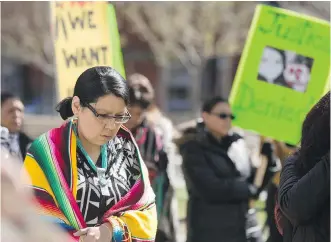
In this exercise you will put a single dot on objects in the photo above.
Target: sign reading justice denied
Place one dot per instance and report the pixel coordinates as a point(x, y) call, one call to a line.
point(86, 35)
point(282, 73)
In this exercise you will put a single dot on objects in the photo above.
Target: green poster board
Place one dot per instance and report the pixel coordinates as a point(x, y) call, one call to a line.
point(115, 41)
point(284, 70)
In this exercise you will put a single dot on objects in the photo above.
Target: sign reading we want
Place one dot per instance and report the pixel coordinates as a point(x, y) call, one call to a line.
point(86, 35)
point(284, 70)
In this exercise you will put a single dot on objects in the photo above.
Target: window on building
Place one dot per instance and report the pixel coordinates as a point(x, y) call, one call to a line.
point(36, 89)
point(178, 98)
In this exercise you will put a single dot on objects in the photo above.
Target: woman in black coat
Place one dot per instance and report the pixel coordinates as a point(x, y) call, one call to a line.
point(304, 192)
point(218, 177)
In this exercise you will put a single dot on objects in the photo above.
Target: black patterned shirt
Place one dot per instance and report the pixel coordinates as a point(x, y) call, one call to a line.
point(122, 172)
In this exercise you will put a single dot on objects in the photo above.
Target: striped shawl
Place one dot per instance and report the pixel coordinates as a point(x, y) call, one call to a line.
point(52, 165)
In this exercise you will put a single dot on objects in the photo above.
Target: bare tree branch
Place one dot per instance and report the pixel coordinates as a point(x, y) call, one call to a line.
point(319, 9)
point(189, 31)
point(194, 31)
point(25, 34)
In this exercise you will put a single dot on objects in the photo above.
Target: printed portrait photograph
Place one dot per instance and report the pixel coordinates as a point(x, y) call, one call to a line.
point(285, 68)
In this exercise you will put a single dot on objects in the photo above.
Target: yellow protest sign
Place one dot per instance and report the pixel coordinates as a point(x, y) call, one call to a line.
point(86, 35)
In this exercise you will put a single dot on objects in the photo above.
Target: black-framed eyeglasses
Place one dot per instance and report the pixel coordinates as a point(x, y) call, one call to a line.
point(104, 118)
point(224, 115)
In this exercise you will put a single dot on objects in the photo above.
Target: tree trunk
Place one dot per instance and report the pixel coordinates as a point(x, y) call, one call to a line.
point(195, 74)
point(162, 87)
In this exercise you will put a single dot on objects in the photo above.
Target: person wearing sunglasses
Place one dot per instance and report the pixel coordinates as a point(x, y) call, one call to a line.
point(88, 175)
point(218, 175)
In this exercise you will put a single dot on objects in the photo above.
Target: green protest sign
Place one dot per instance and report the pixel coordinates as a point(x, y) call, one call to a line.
point(284, 70)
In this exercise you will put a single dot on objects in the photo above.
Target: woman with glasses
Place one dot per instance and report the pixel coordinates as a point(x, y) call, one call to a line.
point(218, 175)
point(88, 174)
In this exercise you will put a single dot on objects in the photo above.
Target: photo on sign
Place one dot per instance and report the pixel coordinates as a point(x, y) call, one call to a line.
point(285, 68)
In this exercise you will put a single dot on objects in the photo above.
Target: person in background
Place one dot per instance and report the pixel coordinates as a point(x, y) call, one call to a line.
point(88, 175)
point(162, 124)
point(146, 136)
point(168, 132)
point(282, 151)
point(5, 142)
point(12, 114)
point(154, 147)
point(219, 177)
point(304, 189)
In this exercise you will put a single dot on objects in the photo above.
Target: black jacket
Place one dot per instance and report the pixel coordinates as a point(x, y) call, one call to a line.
point(274, 235)
point(24, 142)
point(305, 202)
point(218, 194)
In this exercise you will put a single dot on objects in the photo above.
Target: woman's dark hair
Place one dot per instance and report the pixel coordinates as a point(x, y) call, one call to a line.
point(140, 96)
point(141, 91)
point(137, 80)
point(6, 96)
point(210, 104)
point(280, 78)
point(92, 84)
point(315, 136)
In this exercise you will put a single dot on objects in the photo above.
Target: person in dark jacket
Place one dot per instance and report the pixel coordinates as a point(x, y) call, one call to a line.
point(282, 150)
point(304, 191)
point(218, 176)
point(12, 113)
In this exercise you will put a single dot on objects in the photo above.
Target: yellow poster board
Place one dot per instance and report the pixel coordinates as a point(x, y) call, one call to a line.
point(85, 35)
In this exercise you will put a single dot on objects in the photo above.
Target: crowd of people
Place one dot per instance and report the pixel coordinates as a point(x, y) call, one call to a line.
point(104, 174)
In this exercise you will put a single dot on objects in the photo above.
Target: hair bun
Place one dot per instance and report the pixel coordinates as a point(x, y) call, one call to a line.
point(64, 108)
